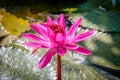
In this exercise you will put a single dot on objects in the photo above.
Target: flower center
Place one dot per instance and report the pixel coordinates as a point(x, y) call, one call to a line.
point(57, 28)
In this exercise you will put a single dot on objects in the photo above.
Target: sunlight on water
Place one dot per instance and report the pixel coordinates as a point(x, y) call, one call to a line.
point(17, 63)
point(20, 65)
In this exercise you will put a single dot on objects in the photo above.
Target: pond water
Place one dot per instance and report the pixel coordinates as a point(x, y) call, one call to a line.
point(17, 63)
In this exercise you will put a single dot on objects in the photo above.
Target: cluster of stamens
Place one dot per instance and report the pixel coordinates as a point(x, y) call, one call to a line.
point(56, 28)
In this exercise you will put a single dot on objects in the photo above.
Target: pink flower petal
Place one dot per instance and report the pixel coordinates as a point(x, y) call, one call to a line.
point(43, 26)
point(62, 21)
point(82, 51)
point(62, 51)
point(47, 58)
point(51, 35)
point(83, 36)
point(73, 28)
point(34, 50)
point(49, 21)
point(71, 46)
point(39, 29)
point(32, 36)
point(37, 45)
point(59, 37)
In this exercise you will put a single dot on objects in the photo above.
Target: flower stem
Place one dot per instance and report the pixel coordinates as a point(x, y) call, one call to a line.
point(58, 67)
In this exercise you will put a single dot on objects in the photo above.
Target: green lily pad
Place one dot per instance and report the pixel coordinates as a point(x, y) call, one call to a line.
point(105, 46)
point(99, 19)
point(105, 49)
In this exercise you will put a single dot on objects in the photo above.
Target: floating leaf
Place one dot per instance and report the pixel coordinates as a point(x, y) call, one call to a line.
point(102, 20)
point(12, 24)
point(105, 48)
point(3, 32)
point(7, 40)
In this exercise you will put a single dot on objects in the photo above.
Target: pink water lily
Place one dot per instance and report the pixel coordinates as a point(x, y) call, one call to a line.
point(53, 35)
